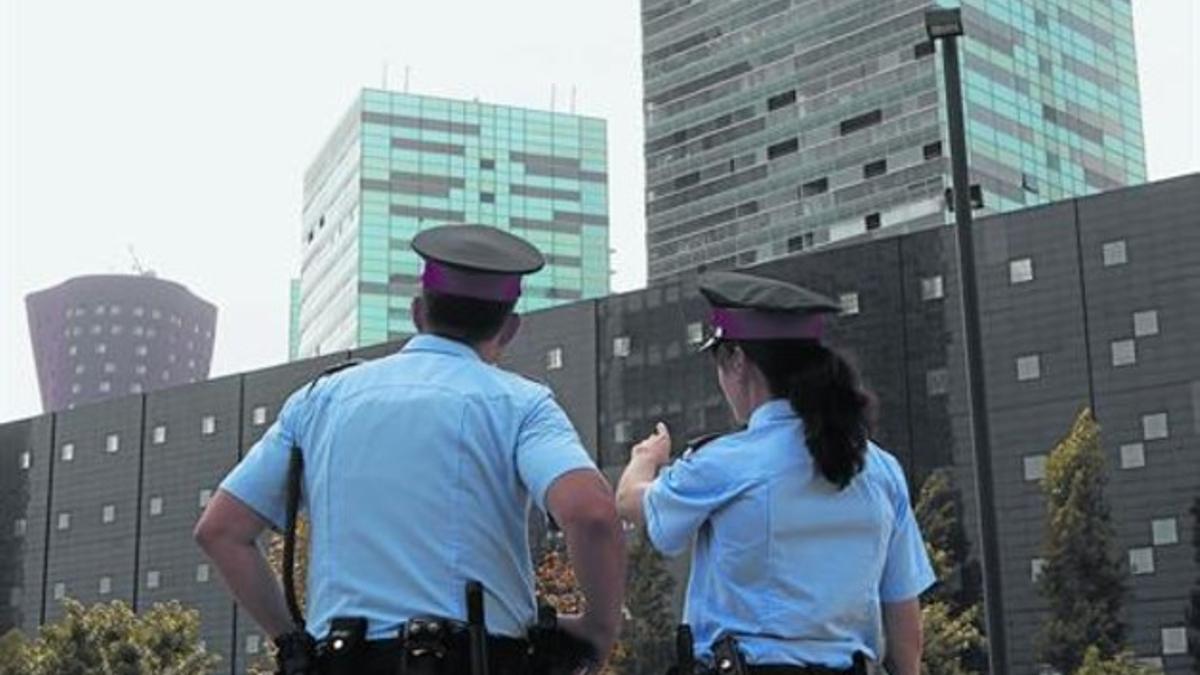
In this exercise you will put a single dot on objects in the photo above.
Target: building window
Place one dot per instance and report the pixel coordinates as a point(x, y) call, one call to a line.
point(860, 122)
point(487, 164)
point(80, 368)
point(1164, 531)
point(937, 382)
point(875, 169)
point(554, 359)
point(923, 49)
point(156, 506)
point(621, 346)
point(101, 348)
point(1174, 641)
point(873, 221)
point(783, 148)
point(153, 579)
point(1020, 271)
point(1029, 183)
point(781, 100)
point(64, 520)
point(140, 369)
point(622, 432)
point(1154, 427)
point(208, 425)
point(159, 435)
point(849, 304)
point(932, 288)
point(26, 461)
point(14, 597)
point(815, 187)
point(110, 367)
point(202, 573)
point(1036, 567)
point(1145, 323)
point(68, 452)
point(1133, 456)
point(253, 644)
point(487, 197)
point(76, 388)
point(60, 591)
point(1114, 253)
point(1035, 467)
point(141, 350)
point(139, 311)
point(105, 585)
point(1029, 367)
point(1141, 561)
point(695, 333)
point(1124, 353)
point(259, 416)
point(105, 387)
point(112, 443)
point(97, 329)
point(20, 527)
point(135, 388)
point(108, 513)
point(155, 314)
point(166, 375)
point(932, 150)
point(205, 497)
point(72, 350)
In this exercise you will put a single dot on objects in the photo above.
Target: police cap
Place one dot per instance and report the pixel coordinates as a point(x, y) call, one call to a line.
point(475, 261)
point(749, 307)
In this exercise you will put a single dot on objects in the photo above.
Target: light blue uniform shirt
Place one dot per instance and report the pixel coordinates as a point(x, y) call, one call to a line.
point(790, 566)
point(419, 470)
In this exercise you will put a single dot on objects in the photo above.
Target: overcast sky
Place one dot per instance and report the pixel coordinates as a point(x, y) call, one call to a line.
point(183, 129)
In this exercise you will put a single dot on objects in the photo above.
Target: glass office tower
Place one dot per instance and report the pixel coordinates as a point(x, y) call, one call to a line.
point(399, 163)
point(773, 127)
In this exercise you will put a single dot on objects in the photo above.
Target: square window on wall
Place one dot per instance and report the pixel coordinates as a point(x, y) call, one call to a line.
point(849, 304)
point(253, 644)
point(622, 432)
point(1141, 561)
point(1174, 640)
point(1036, 566)
point(64, 521)
point(695, 333)
point(112, 443)
point(1020, 271)
point(1124, 353)
point(937, 382)
point(105, 586)
point(156, 506)
point(205, 497)
point(1115, 253)
point(1164, 531)
point(153, 579)
point(1155, 427)
point(932, 288)
point(68, 452)
point(1133, 456)
point(621, 346)
point(159, 435)
point(26, 461)
point(554, 359)
point(1145, 323)
point(108, 514)
point(202, 573)
point(1035, 467)
point(208, 425)
point(259, 416)
point(1029, 367)
point(60, 591)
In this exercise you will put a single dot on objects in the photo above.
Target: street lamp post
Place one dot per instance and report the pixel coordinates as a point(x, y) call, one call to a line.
point(945, 26)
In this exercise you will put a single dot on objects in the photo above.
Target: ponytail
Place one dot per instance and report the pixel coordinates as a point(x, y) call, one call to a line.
point(825, 391)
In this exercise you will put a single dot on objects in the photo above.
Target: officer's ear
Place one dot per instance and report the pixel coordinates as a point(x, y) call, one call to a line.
point(512, 324)
point(418, 312)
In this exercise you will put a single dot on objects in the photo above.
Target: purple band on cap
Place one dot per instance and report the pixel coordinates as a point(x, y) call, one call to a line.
point(752, 324)
point(479, 285)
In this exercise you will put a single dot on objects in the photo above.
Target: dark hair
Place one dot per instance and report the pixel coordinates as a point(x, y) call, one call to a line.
point(465, 319)
point(825, 391)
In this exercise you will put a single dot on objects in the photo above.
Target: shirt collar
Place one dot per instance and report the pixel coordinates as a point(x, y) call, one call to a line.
point(427, 342)
point(773, 410)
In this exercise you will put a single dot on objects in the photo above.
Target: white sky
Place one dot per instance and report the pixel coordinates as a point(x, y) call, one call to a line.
point(184, 129)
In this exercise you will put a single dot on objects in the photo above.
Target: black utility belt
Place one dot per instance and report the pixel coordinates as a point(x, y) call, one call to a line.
point(423, 637)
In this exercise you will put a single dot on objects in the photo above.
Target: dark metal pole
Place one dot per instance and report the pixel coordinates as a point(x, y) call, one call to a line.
point(973, 344)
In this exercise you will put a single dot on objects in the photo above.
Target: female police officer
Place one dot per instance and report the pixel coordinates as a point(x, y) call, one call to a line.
point(806, 553)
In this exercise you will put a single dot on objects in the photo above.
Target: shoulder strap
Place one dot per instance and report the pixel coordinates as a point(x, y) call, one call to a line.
point(295, 481)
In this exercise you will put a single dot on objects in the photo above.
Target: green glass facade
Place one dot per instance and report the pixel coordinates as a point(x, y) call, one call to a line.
point(774, 127)
point(400, 163)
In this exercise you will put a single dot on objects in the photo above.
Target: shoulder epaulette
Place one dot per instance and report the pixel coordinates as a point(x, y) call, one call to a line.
point(335, 368)
point(700, 441)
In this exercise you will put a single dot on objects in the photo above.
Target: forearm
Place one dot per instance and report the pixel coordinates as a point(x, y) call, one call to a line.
point(636, 479)
point(902, 622)
point(596, 547)
point(253, 585)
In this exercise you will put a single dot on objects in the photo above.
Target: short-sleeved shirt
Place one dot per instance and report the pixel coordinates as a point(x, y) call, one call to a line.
point(419, 470)
point(792, 567)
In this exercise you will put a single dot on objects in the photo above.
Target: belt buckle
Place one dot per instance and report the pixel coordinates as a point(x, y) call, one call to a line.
point(426, 636)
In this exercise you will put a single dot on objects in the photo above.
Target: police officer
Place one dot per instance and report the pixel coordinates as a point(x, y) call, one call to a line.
point(806, 553)
point(418, 473)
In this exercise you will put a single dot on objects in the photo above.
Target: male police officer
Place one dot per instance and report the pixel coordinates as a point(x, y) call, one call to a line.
point(418, 473)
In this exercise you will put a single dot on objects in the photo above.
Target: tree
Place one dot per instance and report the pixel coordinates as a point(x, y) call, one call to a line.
point(649, 621)
point(953, 639)
point(1122, 663)
point(109, 639)
point(557, 587)
point(1081, 580)
point(1193, 614)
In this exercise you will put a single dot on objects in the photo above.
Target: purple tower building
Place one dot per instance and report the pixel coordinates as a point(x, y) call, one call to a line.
point(99, 336)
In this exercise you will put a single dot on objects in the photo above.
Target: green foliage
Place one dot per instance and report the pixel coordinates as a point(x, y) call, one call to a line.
point(648, 633)
point(1121, 663)
point(953, 638)
point(1082, 579)
point(109, 639)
